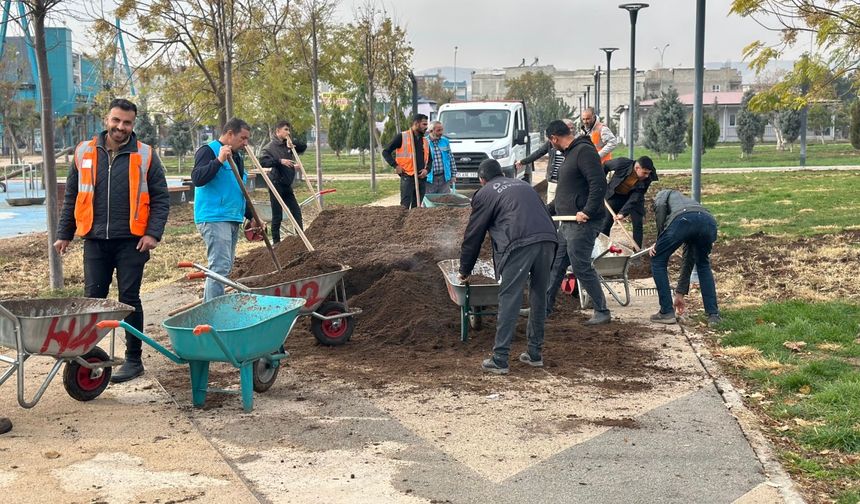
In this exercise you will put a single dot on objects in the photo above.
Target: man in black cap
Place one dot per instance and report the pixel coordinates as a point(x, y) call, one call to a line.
point(626, 192)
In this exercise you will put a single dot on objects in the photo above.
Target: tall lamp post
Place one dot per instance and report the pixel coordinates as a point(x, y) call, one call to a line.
point(597, 91)
point(698, 97)
point(579, 110)
point(633, 9)
point(608, 51)
point(455, 72)
point(662, 53)
point(588, 95)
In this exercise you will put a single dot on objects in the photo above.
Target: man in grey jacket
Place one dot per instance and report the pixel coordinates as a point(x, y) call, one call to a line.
point(683, 221)
point(524, 242)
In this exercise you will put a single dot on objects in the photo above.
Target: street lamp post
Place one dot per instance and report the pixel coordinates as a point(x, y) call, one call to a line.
point(455, 72)
point(698, 98)
point(588, 95)
point(580, 106)
point(662, 53)
point(633, 9)
point(608, 51)
point(597, 92)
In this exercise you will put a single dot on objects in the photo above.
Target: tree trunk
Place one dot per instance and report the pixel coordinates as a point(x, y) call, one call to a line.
point(371, 129)
point(396, 113)
point(55, 264)
point(316, 88)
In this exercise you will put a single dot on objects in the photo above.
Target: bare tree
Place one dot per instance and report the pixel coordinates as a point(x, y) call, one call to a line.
point(368, 32)
point(396, 62)
point(316, 39)
point(37, 12)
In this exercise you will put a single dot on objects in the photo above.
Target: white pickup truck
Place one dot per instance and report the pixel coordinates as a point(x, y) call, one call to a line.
point(482, 130)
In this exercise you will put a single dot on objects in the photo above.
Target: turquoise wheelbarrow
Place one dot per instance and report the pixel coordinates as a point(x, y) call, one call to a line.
point(246, 330)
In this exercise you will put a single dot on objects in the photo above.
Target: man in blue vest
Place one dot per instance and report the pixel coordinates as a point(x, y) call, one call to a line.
point(443, 171)
point(219, 203)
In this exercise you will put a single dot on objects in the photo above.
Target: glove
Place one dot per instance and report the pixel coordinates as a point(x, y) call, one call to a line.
point(252, 231)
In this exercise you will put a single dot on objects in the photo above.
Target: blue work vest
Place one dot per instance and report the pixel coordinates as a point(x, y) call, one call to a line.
point(220, 200)
point(445, 147)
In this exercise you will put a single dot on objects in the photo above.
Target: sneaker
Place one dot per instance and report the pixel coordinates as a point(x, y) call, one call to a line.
point(714, 320)
point(490, 366)
point(526, 358)
point(664, 318)
point(599, 318)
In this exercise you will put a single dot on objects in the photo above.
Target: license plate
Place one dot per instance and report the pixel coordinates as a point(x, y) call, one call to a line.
point(467, 174)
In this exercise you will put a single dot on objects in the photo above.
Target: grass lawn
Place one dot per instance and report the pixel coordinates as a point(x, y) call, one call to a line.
point(802, 364)
point(729, 156)
point(722, 156)
point(791, 204)
point(331, 163)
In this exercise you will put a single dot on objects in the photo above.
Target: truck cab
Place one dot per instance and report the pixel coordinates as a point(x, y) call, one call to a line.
point(480, 130)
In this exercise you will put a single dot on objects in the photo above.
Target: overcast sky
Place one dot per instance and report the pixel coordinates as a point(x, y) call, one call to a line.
point(564, 33)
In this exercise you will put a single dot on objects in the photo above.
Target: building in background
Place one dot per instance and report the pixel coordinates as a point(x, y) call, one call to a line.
point(75, 82)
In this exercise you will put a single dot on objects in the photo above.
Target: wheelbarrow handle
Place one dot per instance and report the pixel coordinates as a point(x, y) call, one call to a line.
point(215, 276)
point(142, 337)
point(208, 329)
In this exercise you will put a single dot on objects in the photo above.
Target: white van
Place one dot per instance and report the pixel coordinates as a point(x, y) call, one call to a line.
point(482, 130)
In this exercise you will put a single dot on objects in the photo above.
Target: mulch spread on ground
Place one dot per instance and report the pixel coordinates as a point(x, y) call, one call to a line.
point(409, 331)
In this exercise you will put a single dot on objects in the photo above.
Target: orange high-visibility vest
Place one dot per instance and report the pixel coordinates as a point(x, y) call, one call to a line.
point(86, 161)
point(403, 156)
point(598, 142)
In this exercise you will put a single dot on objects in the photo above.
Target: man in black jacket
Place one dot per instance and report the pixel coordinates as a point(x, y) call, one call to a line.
point(556, 157)
point(524, 241)
point(119, 225)
point(581, 187)
point(626, 192)
point(278, 156)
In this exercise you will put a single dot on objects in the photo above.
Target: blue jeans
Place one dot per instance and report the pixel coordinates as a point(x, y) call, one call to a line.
point(575, 244)
point(699, 231)
point(220, 239)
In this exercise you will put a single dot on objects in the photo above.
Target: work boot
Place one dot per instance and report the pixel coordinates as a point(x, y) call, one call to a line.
point(490, 366)
point(714, 320)
point(599, 318)
point(5, 425)
point(531, 361)
point(128, 371)
point(664, 318)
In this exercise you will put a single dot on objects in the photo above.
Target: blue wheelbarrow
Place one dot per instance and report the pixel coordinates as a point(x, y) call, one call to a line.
point(246, 330)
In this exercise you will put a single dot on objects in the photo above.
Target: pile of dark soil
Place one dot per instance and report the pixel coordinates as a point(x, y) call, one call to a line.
point(409, 329)
point(449, 199)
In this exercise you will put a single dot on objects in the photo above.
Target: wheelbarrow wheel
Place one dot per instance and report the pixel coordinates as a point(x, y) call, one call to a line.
point(333, 332)
point(85, 384)
point(265, 374)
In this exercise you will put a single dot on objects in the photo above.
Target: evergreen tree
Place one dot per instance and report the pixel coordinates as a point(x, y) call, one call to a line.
point(855, 124)
point(790, 122)
point(180, 140)
point(338, 130)
point(748, 125)
point(666, 125)
point(359, 136)
point(710, 132)
point(145, 130)
point(391, 126)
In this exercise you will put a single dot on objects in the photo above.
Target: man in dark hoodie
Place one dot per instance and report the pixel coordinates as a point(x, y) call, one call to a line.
point(524, 241)
point(581, 187)
point(278, 156)
point(626, 192)
point(117, 201)
point(683, 221)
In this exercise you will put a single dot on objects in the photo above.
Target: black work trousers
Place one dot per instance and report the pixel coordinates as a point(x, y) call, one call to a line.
point(289, 197)
point(101, 259)
point(407, 191)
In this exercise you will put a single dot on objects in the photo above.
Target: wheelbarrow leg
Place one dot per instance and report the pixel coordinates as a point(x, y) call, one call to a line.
point(199, 382)
point(246, 373)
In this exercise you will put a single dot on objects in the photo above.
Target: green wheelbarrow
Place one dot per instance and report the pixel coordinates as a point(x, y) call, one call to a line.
point(246, 330)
